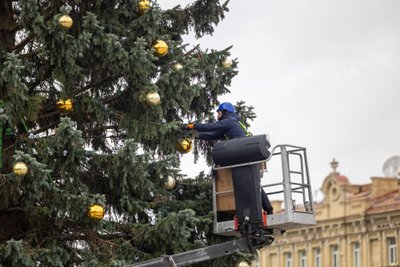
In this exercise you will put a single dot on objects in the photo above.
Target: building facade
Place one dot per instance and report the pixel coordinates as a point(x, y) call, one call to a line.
point(357, 226)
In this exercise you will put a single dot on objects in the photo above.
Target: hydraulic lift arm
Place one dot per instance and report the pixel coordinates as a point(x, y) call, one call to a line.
point(201, 254)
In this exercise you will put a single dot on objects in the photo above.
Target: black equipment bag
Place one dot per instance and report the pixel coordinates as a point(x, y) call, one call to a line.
point(241, 150)
point(246, 185)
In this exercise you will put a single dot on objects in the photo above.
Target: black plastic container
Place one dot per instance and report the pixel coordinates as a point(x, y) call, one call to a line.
point(241, 150)
point(247, 190)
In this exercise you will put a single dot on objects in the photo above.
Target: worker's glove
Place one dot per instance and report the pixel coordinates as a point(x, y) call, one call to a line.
point(188, 127)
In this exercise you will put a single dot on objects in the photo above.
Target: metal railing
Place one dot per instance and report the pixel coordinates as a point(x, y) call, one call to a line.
point(289, 187)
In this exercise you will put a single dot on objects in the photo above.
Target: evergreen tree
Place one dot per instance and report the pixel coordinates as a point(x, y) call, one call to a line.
point(74, 109)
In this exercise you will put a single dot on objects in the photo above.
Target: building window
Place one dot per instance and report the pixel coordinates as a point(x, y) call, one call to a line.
point(288, 259)
point(392, 251)
point(317, 257)
point(356, 255)
point(303, 258)
point(335, 256)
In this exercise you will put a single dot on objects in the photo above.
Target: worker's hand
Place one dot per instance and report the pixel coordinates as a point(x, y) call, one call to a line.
point(188, 127)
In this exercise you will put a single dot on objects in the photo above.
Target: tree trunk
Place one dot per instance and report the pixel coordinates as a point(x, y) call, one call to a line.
point(7, 25)
point(8, 28)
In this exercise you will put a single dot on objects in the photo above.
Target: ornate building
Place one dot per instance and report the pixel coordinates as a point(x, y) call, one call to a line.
point(357, 226)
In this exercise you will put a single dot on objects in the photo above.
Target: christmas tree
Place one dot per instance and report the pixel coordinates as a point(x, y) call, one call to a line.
point(92, 98)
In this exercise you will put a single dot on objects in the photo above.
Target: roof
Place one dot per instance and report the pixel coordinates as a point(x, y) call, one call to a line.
point(341, 179)
point(386, 202)
point(380, 195)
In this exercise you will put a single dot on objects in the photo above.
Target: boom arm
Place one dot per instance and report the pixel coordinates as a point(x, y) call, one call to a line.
point(201, 254)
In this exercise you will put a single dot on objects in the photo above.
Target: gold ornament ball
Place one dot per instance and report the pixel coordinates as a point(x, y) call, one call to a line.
point(96, 212)
point(160, 48)
point(20, 169)
point(169, 183)
point(65, 22)
point(153, 98)
point(177, 66)
point(143, 6)
point(243, 264)
point(65, 106)
point(184, 146)
point(227, 63)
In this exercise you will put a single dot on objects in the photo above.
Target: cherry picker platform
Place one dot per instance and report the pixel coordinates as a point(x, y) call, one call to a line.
point(239, 165)
point(292, 182)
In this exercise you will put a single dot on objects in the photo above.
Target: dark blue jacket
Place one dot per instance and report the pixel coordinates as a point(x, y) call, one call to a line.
point(227, 127)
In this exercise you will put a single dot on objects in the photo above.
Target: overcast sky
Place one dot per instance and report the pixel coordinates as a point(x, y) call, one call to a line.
point(321, 74)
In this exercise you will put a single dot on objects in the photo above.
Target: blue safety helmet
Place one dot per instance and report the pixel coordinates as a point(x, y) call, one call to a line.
point(226, 106)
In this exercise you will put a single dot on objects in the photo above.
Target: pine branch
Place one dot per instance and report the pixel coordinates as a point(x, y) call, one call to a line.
point(100, 128)
point(16, 27)
point(52, 125)
point(29, 54)
point(85, 88)
point(110, 99)
point(44, 75)
point(197, 47)
point(90, 235)
point(89, 86)
point(48, 115)
point(88, 130)
point(18, 47)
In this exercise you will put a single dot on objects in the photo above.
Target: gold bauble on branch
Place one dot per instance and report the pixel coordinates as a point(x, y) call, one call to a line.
point(20, 169)
point(153, 98)
point(243, 264)
point(160, 48)
point(65, 22)
point(65, 106)
point(184, 145)
point(169, 183)
point(96, 212)
point(177, 66)
point(227, 63)
point(143, 6)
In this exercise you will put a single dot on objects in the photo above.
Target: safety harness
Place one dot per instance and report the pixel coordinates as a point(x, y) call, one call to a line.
point(245, 129)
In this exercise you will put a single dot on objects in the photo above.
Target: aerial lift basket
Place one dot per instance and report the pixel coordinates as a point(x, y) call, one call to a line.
point(294, 184)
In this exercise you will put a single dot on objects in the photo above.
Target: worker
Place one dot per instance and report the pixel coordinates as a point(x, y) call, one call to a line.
point(228, 126)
